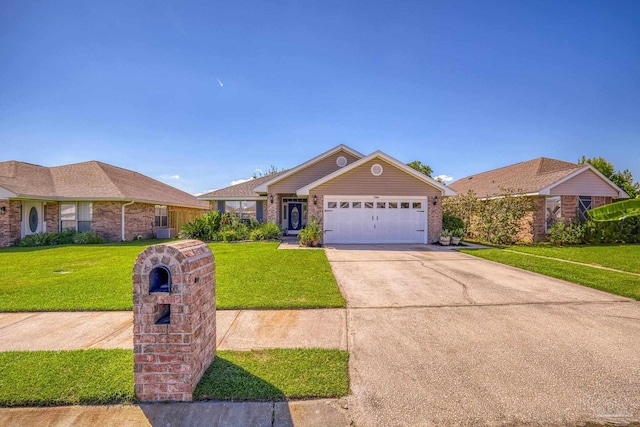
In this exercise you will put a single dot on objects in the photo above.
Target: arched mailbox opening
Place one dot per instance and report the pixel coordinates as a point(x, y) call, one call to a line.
point(160, 279)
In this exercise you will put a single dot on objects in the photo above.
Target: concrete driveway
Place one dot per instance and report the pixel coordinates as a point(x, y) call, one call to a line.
point(442, 338)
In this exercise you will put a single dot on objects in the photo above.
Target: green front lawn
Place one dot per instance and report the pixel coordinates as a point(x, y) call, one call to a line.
point(77, 377)
point(49, 378)
point(275, 374)
point(98, 277)
point(623, 284)
point(620, 257)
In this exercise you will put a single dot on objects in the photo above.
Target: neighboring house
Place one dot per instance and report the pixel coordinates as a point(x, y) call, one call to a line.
point(356, 198)
point(115, 203)
point(558, 190)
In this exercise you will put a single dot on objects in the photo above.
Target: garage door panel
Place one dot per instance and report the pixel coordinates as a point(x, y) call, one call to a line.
point(369, 220)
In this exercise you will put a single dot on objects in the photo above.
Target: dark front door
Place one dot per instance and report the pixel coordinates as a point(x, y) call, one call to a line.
point(295, 216)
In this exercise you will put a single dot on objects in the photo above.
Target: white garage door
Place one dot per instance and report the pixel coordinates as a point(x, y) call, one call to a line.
point(375, 220)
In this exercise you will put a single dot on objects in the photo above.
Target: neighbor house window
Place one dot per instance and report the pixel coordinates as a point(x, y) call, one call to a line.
point(162, 216)
point(584, 204)
point(76, 216)
point(553, 211)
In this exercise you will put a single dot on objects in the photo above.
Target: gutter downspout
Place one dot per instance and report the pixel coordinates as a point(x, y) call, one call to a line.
point(126, 204)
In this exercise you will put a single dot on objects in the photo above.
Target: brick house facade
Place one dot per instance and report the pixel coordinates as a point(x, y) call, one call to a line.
point(94, 196)
point(558, 190)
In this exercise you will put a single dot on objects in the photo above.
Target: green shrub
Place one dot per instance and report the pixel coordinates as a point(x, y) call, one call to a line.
point(450, 222)
point(498, 220)
point(266, 231)
point(624, 231)
point(311, 234)
point(87, 238)
point(66, 237)
point(561, 234)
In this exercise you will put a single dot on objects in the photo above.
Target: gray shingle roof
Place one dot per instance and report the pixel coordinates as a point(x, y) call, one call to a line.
point(90, 180)
point(239, 191)
point(525, 177)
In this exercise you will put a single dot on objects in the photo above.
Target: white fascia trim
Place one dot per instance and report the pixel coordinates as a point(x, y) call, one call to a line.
point(621, 193)
point(446, 191)
point(262, 188)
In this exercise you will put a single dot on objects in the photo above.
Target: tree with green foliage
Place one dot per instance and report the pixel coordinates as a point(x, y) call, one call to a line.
point(421, 167)
point(622, 179)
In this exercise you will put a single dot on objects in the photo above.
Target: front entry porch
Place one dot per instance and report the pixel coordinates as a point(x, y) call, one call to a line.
point(294, 214)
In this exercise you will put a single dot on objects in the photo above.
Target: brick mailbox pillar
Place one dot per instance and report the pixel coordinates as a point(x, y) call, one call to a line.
point(174, 319)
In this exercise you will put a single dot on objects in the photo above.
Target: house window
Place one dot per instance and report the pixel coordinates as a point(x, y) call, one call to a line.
point(244, 209)
point(76, 216)
point(553, 211)
point(162, 216)
point(584, 204)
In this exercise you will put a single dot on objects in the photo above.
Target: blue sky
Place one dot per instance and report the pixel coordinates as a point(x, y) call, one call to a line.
point(198, 94)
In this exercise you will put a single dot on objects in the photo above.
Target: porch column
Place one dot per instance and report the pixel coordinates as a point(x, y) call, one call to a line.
point(274, 209)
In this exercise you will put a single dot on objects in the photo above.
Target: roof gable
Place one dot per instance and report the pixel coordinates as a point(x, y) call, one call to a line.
point(446, 191)
point(263, 188)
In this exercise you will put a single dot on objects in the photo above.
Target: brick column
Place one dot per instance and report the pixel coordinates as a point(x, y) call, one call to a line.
point(174, 329)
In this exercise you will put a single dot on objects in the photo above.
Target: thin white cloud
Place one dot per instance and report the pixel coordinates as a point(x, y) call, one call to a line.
point(205, 192)
point(170, 177)
point(240, 181)
point(444, 178)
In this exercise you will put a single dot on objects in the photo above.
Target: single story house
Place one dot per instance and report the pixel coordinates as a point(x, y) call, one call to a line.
point(558, 190)
point(356, 198)
point(115, 203)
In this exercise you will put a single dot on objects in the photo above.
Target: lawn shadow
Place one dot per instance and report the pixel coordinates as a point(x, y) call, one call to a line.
point(226, 395)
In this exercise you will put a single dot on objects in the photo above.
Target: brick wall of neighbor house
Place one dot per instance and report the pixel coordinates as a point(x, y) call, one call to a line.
point(434, 219)
point(569, 208)
point(52, 217)
point(107, 220)
point(10, 222)
point(539, 218)
point(139, 220)
point(597, 201)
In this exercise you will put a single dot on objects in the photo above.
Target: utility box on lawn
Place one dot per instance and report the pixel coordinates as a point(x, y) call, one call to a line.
point(174, 319)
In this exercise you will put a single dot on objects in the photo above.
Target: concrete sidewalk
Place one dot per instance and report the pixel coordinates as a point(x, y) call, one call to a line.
point(311, 413)
point(236, 329)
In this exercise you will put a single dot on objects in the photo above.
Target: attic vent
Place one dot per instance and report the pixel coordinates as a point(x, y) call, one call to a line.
point(376, 170)
point(341, 161)
point(470, 177)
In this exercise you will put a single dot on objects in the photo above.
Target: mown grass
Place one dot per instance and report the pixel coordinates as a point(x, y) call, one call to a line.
point(258, 275)
point(77, 377)
point(275, 374)
point(86, 377)
point(620, 257)
point(98, 277)
point(623, 284)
